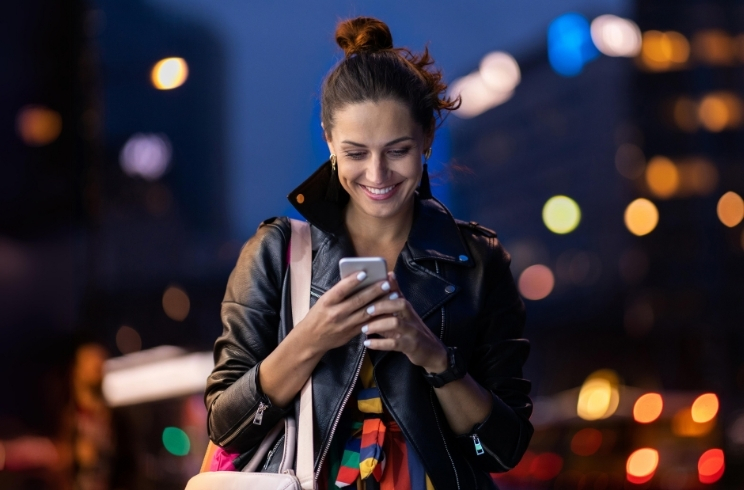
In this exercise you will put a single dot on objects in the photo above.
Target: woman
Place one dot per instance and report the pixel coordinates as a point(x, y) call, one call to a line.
point(430, 360)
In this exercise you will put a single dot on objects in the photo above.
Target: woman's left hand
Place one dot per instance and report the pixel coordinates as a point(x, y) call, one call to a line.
point(402, 330)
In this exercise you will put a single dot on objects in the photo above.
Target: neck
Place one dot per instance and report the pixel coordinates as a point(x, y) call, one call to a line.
point(369, 232)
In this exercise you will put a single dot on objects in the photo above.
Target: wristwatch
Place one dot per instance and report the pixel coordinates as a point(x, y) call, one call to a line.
point(455, 370)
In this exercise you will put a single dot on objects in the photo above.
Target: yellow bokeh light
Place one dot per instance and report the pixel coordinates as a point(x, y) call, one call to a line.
point(730, 209)
point(38, 125)
point(561, 214)
point(536, 282)
point(599, 396)
point(704, 408)
point(648, 408)
point(641, 217)
point(684, 426)
point(169, 73)
point(663, 50)
point(662, 177)
point(176, 303)
point(642, 464)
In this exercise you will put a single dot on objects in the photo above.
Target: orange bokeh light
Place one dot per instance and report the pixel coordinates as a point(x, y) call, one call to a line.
point(711, 466)
point(730, 209)
point(38, 125)
point(642, 465)
point(684, 426)
point(662, 177)
point(648, 408)
point(704, 408)
point(586, 442)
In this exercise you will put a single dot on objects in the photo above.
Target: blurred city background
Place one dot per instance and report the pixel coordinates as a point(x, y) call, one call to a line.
point(143, 141)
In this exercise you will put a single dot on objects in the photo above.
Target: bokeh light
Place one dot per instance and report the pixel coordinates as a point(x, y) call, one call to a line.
point(664, 50)
point(500, 71)
point(169, 73)
point(685, 113)
point(642, 465)
point(476, 96)
point(630, 161)
point(599, 396)
point(176, 441)
point(128, 340)
point(713, 47)
point(704, 408)
point(719, 111)
point(536, 282)
point(684, 426)
point(730, 209)
point(38, 125)
point(711, 466)
point(615, 36)
point(698, 177)
point(662, 177)
point(561, 214)
point(570, 44)
point(648, 408)
point(546, 466)
point(176, 303)
point(146, 156)
point(641, 217)
point(586, 442)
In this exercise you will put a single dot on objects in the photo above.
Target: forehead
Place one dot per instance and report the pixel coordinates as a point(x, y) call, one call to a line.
point(374, 122)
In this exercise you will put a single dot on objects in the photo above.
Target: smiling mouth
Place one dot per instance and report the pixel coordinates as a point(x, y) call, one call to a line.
point(379, 191)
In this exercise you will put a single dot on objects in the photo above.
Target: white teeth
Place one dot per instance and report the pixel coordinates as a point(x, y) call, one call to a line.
point(379, 191)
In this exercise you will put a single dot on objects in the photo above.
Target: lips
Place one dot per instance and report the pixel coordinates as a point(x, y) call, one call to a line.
point(380, 193)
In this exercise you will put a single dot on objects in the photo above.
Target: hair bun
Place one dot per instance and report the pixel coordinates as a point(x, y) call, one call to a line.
point(363, 35)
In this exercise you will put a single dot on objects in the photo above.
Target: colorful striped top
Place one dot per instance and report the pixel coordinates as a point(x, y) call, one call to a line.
point(373, 454)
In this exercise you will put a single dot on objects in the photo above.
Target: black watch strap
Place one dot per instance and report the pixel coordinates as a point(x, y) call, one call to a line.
point(455, 370)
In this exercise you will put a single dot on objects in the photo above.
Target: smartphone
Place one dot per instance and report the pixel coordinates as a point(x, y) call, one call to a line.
point(375, 267)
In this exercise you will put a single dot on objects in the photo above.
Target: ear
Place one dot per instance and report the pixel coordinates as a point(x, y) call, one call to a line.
point(428, 142)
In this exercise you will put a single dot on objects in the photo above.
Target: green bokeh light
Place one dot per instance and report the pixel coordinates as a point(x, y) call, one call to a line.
point(176, 441)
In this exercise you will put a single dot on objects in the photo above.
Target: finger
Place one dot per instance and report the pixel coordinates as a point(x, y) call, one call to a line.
point(392, 304)
point(383, 344)
point(358, 302)
point(394, 286)
point(343, 288)
point(388, 326)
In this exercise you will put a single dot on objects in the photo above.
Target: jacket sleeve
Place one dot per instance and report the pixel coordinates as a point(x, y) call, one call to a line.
point(496, 363)
point(250, 321)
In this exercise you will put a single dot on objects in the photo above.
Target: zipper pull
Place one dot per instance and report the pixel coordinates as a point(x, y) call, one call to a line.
point(478, 447)
point(258, 418)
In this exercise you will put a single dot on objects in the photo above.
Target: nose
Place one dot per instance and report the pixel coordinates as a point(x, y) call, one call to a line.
point(377, 172)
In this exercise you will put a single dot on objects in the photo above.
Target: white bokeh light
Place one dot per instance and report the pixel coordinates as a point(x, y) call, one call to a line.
point(500, 71)
point(492, 85)
point(615, 36)
point(146, 156)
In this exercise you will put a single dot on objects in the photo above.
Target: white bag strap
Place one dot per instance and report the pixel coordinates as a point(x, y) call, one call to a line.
point(300, 269)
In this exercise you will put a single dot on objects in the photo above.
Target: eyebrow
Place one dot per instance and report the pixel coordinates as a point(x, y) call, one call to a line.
point(402, 138)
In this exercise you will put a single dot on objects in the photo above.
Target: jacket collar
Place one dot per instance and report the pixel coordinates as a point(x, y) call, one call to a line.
point(434, 234)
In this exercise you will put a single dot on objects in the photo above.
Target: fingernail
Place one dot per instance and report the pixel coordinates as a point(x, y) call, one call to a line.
point(393, 296)
point(361, 276)
point(385, 286)
point(366, 343)
point(365, 328)
point(371, 310)
point(393, 275)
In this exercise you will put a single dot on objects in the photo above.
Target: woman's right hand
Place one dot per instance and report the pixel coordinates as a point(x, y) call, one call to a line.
point(338, 315)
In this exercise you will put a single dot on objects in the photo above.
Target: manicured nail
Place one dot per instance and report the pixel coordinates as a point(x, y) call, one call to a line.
point(366, 343)
point(393, 296)
point(361, 276)
point(385, 286)
point(365, 328)
point(371, 310)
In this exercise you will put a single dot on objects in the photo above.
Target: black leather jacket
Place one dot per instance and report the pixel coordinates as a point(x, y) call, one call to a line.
point(455, 274)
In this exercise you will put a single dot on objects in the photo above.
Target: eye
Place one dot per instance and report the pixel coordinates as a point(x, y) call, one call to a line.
point(355, 155)
point(399, 152)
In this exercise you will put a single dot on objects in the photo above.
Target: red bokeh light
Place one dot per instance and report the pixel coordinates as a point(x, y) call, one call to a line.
point(586, 442)
point(710, 466)
point(546, 466)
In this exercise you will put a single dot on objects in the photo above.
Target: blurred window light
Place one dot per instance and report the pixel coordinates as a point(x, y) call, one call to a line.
point(176, 441)
point(615, 36)
point(713, 47)
point(570, 44)
point(176, 303)
point(642, 465)
point(730, 209)
point(719, 111)
point(546, 466)
point(38, 125)
point(561, 214)
point(630, 161)
point(664, 50)
point(536, 282)
point(684, 426)
point(477, 97)
point(711, 466)
point(641, 217)
point(586, 442)
point(599, 396)
point(704, 408)
point(169, 73)
point(151, 380)
point(648, 408)
point(698, 177)
point(500, 71)
point(685, 113)
point(146, 156)
point(662, 177)
point(128, 340)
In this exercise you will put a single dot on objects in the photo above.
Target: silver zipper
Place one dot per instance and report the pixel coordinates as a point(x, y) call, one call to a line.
point(237, 431)
point(271, 453)
point(258, 418)
point(341, 411)
point(478, 447)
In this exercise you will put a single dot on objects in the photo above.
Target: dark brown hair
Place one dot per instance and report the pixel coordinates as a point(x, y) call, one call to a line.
point(374, 70)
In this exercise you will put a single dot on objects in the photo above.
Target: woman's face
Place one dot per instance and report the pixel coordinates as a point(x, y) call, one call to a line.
point(378, 146)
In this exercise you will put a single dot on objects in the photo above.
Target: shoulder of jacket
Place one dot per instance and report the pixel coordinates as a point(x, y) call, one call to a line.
point(476, 228)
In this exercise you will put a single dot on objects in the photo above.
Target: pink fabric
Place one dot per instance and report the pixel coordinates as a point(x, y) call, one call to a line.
point(223, 460)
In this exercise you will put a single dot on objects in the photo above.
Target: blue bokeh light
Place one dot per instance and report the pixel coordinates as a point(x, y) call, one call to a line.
point(570, 44)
